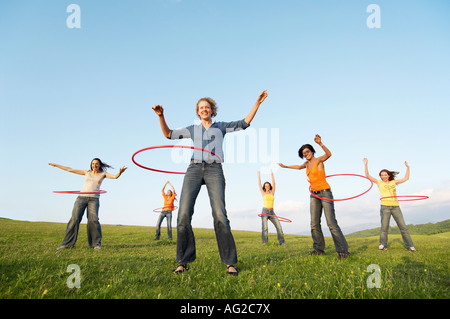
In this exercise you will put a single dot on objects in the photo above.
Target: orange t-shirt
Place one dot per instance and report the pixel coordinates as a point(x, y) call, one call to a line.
point(316, 178)
point(168, 201)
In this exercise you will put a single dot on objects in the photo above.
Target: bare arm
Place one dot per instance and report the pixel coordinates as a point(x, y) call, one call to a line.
point(262, 96)
point(170, 184)
point(259, 183)
point(68, 169)
point(273, 182)
point(293, 166)
point(162, 121)
point(366, 170)
point(327, 154)
point(404, 179)
point(121, 170)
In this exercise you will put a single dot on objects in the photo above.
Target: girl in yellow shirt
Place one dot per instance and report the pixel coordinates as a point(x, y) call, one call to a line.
point(268, 192)
point(390, 206)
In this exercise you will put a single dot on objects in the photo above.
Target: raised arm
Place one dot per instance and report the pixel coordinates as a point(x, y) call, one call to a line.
point(327, 154)
point(68, 169)
point(173, 188)
point(162, 121)
point(262, 96)
point(366, 170)
point(273, 182)
point(259, 183)
point(121, 170)
point(404, 179)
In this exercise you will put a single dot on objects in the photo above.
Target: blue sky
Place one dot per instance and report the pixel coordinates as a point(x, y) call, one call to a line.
point(68, 95)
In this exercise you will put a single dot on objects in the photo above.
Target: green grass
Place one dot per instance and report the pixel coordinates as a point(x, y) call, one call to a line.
point(132, 265)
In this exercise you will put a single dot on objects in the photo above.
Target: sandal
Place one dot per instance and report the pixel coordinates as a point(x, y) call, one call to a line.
point(234, 273)
point(180, 269)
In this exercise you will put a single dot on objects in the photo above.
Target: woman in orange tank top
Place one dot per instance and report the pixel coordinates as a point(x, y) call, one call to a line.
point(166, 212)
point(315, 172)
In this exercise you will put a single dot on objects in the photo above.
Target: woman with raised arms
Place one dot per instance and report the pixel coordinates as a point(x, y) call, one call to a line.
point(268, 194)
point(389, 205)
point(205, 169)
point(315, 171)
point(166, 211)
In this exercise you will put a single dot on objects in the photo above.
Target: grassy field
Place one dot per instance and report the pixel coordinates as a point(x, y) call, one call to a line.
point(132, 265)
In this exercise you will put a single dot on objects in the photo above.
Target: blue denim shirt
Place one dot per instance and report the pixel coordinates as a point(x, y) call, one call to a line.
point(210, 139)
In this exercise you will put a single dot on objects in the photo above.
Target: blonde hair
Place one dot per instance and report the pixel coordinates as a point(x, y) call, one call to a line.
point(211, 103)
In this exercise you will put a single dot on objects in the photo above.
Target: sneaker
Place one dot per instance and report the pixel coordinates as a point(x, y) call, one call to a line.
point(382, 247)
point(316, 252)
point(412, 249)
point(62, 247)
point(97, 247)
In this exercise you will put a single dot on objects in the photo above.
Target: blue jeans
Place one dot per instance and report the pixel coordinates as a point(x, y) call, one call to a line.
point(316, 206)
point(168, 215)
point(265, 227)
point(94, 231)
point(211, 175)
point(386, 212)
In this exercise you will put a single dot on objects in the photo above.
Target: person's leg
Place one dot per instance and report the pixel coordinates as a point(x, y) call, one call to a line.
point(398, 217)
point(385, 214)
point(192, 183)
point(276, 222)
point(215, 183)
point(158, 225)
point(73, 225)
point(265, 228)
point(169, 225)
point(316, 229)
point(94, 230)
point(340, 242)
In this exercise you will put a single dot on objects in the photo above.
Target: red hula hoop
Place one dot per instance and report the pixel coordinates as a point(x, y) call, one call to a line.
point(168, 146)
point(79, 192)
point(160, 209)
point(282, 219)
point(336, 200)
point(412, 197)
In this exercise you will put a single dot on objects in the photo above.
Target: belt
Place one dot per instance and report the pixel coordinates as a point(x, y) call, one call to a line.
point(318, 192)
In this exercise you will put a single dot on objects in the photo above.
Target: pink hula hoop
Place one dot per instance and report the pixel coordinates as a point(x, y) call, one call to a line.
point(168, 146)
point(160, 209)
point(341, 199)
point(412, 197)
point(281, 219)
point(79, 192)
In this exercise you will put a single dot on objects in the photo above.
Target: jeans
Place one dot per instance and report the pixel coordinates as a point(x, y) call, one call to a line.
point(211, 175)
point(94, 231)
point(275, 222)
point(395, 211)
point(316, 206)
point(168, 215)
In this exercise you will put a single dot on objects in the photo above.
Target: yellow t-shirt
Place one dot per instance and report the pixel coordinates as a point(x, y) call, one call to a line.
point(386, 190)
point(268, 201)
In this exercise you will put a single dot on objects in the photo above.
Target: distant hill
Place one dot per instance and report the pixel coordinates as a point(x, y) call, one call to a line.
point(421, 229)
